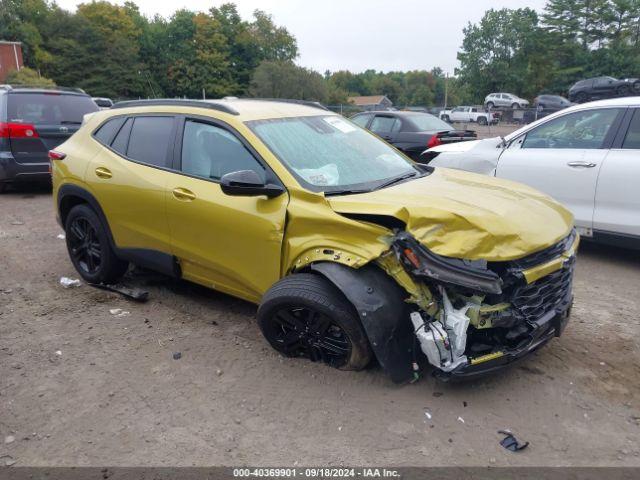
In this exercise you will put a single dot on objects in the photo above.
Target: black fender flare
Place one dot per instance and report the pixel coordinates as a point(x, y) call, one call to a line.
point(79, 192)
point(383, 312)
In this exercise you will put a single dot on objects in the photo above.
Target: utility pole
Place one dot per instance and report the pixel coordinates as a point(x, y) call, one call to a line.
point(446, 89)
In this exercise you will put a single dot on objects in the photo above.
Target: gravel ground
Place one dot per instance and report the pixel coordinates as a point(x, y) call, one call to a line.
point(80, 386)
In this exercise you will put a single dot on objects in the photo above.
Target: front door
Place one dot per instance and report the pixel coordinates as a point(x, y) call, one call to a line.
point(563, 157)
point(229, 243)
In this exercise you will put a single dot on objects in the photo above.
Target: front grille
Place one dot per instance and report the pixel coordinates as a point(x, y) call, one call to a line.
point(547, 254)
point(538, 298)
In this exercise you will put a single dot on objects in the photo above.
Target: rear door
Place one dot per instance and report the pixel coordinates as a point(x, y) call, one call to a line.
point(129, 179)
point(562, 157)
point(40, 121)
point(617, 208)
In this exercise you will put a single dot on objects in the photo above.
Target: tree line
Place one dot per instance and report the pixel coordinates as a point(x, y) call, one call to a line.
point(115, 51)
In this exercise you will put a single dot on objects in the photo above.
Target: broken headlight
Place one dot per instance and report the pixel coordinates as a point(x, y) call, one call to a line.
point(421, 262)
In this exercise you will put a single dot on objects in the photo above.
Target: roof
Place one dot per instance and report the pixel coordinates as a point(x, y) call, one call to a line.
point(369, 100)
point(246, 109)
point(6, 42)
point(17, 88)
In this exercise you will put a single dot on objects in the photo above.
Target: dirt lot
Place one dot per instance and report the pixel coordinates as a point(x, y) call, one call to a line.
point(80, 386)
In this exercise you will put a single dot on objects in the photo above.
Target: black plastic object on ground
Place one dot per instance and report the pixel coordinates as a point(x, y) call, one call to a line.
point(511, 443)
point(131, 293)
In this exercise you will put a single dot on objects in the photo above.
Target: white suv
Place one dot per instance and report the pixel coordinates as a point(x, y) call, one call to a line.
point(586, 157)
point(507, 100)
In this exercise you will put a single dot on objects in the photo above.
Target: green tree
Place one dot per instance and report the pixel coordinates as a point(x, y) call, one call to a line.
point(284, 79)
point(28, 76)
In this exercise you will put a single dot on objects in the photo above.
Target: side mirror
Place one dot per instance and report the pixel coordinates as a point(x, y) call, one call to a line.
point(247, 183)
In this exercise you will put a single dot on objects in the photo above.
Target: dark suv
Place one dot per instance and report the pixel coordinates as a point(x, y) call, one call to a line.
point(32, 122)
point(603, 87)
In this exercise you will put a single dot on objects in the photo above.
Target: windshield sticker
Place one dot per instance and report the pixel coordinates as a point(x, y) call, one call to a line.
point(340, 124)
point(323, 176)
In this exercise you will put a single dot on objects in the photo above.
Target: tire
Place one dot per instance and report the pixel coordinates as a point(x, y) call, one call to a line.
point(581, 97)
point(304, 315)
point(445, 118)
point(636, 87)
point(89, 247)
point(482, 121)
point(490, 105)
point(515, 106)
point(623, 91)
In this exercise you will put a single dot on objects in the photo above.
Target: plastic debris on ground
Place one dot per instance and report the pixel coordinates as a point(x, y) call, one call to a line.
point(134, 294)
point(510, 442)
point(177, 356)
point(59, 353)
point(118, 312)
point(460, 419)
point(61, 236)
point(67, 282)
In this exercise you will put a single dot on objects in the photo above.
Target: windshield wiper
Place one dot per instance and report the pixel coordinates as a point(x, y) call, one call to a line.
point(348, 191)
point(395, 180)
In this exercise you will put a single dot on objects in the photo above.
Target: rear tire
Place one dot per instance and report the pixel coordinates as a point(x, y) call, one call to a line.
point(623, 91)
point(490, 105)
point(482, 121)
point(445, 118)
point(515, 106)
point(89, 247)
point(305, 315)
point(581, 97)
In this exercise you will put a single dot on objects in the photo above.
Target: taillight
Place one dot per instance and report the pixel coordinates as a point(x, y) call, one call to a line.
point(54, 155)
point(434, 141)
point(18, 130)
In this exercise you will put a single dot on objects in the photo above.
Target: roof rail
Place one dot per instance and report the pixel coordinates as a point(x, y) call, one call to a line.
point(40, 87)
point(307, 103)
point(170, 102)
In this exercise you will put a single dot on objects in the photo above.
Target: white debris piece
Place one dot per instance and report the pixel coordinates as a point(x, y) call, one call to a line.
point(428, 415)
point(9, 439)
point(59, 353)
point(67, 282)
point(61, 236)
point(118, 312)
point(460, 419)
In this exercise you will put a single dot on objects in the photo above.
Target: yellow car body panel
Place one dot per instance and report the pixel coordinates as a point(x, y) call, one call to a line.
point(259, 240)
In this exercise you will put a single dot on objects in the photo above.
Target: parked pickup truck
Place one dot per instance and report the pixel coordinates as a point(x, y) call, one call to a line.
point(469, 114)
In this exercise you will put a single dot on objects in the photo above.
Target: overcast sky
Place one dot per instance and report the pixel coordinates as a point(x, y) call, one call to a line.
point(360, 34)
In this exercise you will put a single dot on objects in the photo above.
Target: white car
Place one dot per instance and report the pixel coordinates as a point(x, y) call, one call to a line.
point(505, 100)
point(586, 156)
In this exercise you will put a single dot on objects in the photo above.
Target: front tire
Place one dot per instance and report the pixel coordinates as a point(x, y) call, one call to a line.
point(445, 118)
point(482, 121)
point(89, 247)
point(490, 105)
point(515, 106)
point(304, 315)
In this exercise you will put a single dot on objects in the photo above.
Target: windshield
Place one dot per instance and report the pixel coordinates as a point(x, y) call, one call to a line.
point(330, 154)
point(425, 122)
point(48, 108)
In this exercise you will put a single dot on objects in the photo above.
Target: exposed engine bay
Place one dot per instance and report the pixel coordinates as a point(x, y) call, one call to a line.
point(474, 316)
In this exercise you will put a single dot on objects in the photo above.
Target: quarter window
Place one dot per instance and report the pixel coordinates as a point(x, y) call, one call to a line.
point(119, 143)
point(150, 138)
point(108, 129)
point(361, 120)
point(582, 130)
point(632, 140)
point(211, 152)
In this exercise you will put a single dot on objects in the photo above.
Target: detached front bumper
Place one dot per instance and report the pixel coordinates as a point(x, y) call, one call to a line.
point(545, 328)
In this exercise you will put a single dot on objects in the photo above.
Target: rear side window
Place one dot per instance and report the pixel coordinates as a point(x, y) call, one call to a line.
point(107, 131)
point(632, 140)
point(119, 143)
point(48, 108)
point(149, 140)
point(385, 124)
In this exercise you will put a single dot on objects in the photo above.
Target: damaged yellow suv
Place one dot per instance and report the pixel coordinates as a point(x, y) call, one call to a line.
point(352, 251)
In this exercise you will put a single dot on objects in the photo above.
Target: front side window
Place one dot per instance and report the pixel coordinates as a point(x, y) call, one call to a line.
point(385, 124)
point(632, 139)
point(329, 154)
point(583, 130)
point(210, 152)
point(361, 120)
point(149, 140)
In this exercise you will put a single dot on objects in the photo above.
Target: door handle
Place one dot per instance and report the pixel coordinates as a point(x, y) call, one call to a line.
point(184, 194)
point(103, 172)
point(582, 164)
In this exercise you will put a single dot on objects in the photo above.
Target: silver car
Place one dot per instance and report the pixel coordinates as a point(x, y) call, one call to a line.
point(506, 100)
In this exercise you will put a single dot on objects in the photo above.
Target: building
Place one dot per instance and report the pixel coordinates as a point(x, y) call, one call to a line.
point(372, 102)
point(10, 58)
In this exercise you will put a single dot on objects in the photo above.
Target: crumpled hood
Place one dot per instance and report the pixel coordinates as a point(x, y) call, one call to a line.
point(465, 215)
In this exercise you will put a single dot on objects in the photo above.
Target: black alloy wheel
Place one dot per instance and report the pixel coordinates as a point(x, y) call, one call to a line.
point(84, 245)
point(307, 333)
